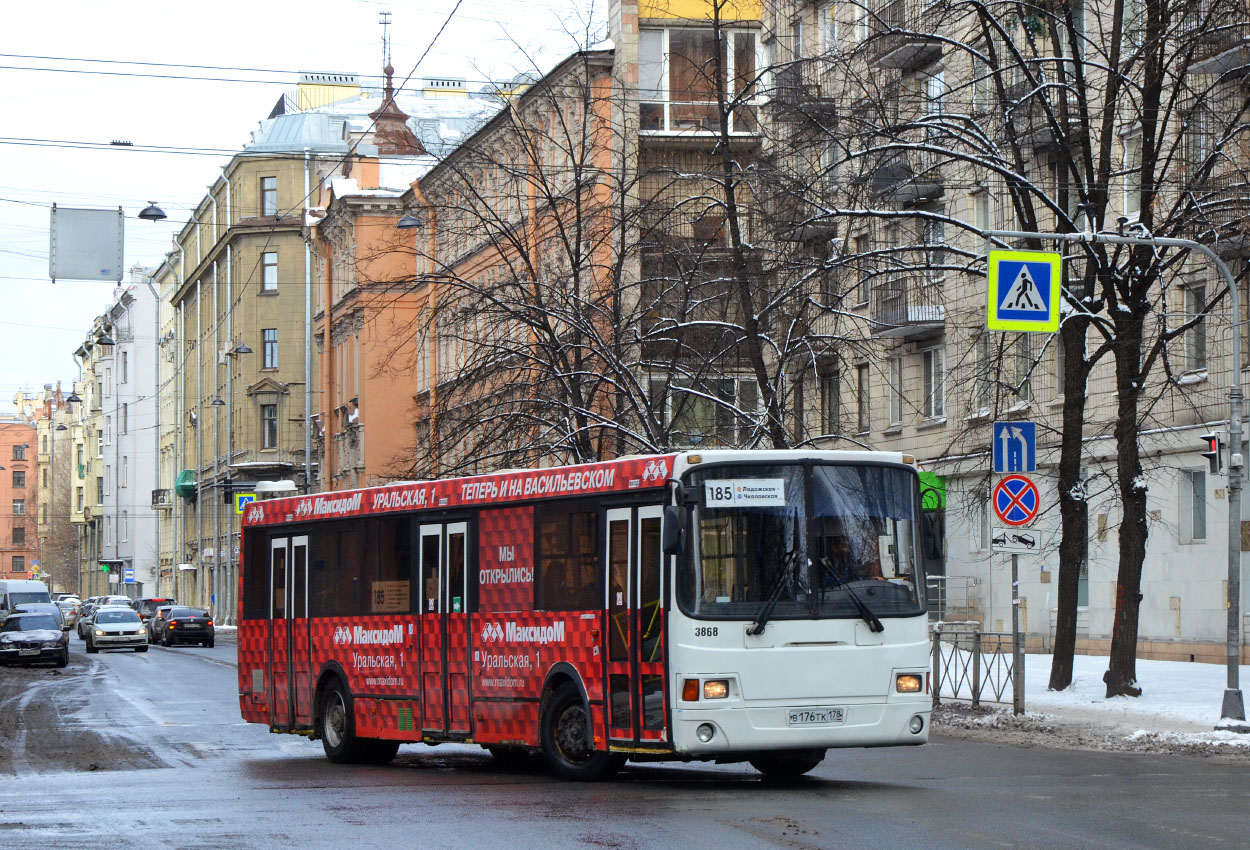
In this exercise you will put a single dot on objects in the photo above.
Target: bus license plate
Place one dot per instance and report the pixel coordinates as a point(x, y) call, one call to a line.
point(815, 716)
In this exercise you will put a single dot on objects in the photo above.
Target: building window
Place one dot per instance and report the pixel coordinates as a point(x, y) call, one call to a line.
point(44, 443)
point(1193, 524)
point(831, 403)
point(125, 366)
point(269, 426)
point(125, 527)
point(79, 499)
point(269, 196)
point(269, 271)
point(860, 246)
point(108, 430)
point(895, 369)
point(1131, 173)
point(1196, 336)
point(19, 507)
point(934, 235)
point(1023, 366)
point(863, 399)
point(981, 380)
point(19, 479)
point(19, 452)
point(827, 26)
point(99, 491)
point(125, 418)
point(19, 535)
point(980, 520)
point(676, 82)
point(269, 340)
point(933, 362)
point(107, 480)
point(717, 412)
point(124, 480)
point(19, 563)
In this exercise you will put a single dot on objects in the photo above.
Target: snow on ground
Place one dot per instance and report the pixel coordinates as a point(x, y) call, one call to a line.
point(1177, 712)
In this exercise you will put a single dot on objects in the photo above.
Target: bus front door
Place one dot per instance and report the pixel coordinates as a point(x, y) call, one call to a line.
point(635, 646)
point(290, 697)
point(444, 628)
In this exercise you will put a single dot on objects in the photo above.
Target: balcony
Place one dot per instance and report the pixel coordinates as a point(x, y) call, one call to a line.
point(1029, 120)
point(798, 92)
point(901, 37)
point(1223, 37)
point(163, 498)
point(905, 178)
point(1219, 220)
point(907, 307)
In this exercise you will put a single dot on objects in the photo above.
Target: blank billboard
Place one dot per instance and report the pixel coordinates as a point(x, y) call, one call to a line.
point(85, 244)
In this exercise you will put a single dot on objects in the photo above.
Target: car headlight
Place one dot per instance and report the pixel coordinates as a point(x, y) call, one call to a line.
point(101, 632)
point(51, 644)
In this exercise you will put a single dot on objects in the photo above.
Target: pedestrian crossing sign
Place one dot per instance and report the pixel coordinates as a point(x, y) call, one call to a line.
point(1024, 291)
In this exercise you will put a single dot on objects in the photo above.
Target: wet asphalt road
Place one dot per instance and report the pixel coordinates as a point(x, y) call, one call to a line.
point(129, 750)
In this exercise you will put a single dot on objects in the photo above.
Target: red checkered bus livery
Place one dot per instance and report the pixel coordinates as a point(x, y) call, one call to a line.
point(725, 605)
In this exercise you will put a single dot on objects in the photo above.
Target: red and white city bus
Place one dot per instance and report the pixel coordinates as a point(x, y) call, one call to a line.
point(720, 605)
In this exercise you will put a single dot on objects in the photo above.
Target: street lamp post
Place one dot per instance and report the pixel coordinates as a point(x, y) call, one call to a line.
point(1232, 710)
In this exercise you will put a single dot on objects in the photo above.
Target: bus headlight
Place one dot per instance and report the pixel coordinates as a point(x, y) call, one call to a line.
point(908, 683)
point(716, 689)
point(916, 724)
point(705, 732)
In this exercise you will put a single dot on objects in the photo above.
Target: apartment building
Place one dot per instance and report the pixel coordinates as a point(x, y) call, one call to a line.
point(19, 545)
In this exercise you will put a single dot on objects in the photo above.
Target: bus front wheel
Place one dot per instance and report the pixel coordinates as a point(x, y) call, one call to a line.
point(787, 764)
point(564, 730)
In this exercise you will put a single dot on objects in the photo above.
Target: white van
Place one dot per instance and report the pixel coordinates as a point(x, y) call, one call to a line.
point(14, 592)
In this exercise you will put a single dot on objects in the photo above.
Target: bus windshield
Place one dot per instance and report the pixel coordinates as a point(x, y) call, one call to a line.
point(805, 540)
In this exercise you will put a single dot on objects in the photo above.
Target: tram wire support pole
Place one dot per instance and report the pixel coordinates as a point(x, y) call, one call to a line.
point(1232, 710)
point(1017, 645)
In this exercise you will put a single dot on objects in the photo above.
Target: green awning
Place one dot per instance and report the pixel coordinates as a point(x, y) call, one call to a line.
point(184, 485)
point(932, 491)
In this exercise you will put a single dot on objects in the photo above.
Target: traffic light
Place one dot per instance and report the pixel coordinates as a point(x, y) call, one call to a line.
point(1215, 451)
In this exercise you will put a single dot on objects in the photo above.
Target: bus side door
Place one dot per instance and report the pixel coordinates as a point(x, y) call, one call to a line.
point(290, 661)
point(635, 646)
point(444, 628)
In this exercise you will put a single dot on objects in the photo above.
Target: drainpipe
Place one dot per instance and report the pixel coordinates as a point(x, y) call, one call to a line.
point(308, 340)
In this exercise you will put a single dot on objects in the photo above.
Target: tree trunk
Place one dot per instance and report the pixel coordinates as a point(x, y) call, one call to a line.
point(1073, 504)
point(1121, 676)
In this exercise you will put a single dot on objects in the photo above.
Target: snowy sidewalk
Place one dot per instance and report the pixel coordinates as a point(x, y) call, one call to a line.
point(1178, 709)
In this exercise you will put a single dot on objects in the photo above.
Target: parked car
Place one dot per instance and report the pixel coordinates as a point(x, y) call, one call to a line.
point(115, 627)
point(42, 608)
point(16, 591)
point(174, 624)
point(147, 605)
point(156, 622)
point(26, 638)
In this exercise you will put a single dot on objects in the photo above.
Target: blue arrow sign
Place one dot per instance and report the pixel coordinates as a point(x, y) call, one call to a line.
point(1015, 447)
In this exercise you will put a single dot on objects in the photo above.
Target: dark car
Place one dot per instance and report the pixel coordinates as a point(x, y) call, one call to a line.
point(147, 605)
point(43, 608)
point(177, 624)
point(26, 638)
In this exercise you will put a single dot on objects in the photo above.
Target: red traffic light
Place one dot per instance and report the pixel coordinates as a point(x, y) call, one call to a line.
point(1215, 452)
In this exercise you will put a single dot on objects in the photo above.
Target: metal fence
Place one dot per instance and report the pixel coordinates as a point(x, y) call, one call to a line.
point(971, 664)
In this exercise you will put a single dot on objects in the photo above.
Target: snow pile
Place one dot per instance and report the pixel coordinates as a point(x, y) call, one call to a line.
point(1177, 711)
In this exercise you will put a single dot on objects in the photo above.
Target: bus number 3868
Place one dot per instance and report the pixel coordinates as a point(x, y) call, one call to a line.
point(705, 631)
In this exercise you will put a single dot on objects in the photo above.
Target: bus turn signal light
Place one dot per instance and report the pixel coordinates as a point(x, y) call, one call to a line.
point(716, 689)
point(690, 690)
point(908, 683)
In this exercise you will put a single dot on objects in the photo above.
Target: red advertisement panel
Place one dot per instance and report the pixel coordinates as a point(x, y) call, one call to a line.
point(505, 557)
point(485, 490)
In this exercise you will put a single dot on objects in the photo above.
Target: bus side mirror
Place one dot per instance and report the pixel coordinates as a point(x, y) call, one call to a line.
point(674, 536)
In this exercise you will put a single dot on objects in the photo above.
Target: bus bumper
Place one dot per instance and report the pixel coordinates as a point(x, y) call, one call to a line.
point(722, 731)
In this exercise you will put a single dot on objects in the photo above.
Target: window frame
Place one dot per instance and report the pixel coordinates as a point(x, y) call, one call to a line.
point(269, 195)
point(1192, 527)
point(269, 348)
point(666, 101)
point(268, 281)
point(933, 371)
point(266, 424)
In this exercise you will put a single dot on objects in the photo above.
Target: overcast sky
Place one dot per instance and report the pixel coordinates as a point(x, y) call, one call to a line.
point(153, 104)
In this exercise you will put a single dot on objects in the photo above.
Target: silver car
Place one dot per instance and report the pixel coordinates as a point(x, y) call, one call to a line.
point(116, 628)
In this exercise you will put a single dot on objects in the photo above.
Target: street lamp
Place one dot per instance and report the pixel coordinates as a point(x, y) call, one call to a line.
point(152, 212)
point(409, 222)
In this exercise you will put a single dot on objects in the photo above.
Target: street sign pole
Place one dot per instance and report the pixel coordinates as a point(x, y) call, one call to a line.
point(1017, 651)
point(1233, 709)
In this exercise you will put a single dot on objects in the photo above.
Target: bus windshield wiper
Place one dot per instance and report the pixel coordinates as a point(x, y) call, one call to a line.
point(865, 613)
point(779, 584)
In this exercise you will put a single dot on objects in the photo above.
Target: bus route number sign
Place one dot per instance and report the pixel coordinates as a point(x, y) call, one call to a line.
point(744, 492)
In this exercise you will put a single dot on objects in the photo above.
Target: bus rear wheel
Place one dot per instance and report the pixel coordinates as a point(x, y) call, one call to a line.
point(564, 729)
point(338, 732)
point(787, 764)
